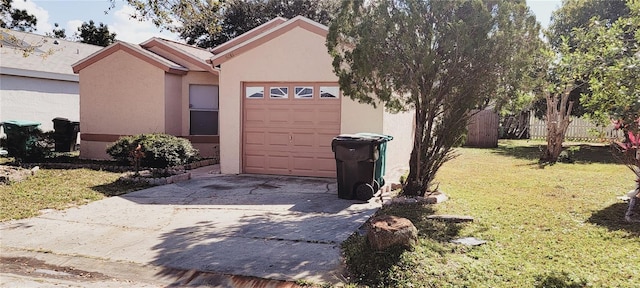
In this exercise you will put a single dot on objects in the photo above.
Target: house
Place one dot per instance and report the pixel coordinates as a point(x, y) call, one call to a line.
point(36, 79)
point(266, 102)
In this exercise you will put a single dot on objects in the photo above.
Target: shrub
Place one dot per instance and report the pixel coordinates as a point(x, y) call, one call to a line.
point(29, 144)
point(158, 150)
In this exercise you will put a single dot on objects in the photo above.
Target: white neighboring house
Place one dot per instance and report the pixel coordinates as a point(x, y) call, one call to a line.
point(39, 85)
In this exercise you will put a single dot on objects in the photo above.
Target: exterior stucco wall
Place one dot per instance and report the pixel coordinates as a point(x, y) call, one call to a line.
point(94, 149)
point(40, 100)
point(401, 127)
point(120, 95)
point(173, 106)
point(356, 117)
point(296, 56)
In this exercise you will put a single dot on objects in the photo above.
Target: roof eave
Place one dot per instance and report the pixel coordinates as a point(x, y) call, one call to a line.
point(244, 46)
point(153, 42)
point(118, 46)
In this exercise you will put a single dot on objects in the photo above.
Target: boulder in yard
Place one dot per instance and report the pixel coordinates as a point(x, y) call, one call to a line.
point(386, 231)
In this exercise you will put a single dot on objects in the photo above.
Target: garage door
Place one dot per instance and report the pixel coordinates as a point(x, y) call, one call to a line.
point(288, 128)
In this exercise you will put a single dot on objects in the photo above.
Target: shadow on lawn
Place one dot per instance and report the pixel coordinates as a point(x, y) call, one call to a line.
point(373, 268)
point(612, 218)
point(118, 187)
point(558, 280)
point(578, 154)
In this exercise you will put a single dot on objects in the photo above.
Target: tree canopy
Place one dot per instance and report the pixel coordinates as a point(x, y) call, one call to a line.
point(211, 23)
point(439, 58)
point(578, 13)
point(240, 16)
point(97, 35)
point(16, 19)
point(612, 50)
point(57, 32)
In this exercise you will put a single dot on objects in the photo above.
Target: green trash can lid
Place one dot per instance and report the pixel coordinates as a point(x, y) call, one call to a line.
point(22, 123)
point(384, 137)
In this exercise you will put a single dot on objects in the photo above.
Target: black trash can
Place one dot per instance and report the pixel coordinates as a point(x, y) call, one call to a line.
point(65, 134)
point(356, 158)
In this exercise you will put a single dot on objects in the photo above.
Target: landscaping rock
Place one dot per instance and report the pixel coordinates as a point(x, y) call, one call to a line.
point(11, 174)
point(470, 241)
point(435, 198)
point(386, 231)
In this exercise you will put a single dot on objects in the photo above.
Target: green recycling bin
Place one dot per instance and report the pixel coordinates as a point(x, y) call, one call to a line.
point(381, 163)
point(65, 134)
point(19, 135)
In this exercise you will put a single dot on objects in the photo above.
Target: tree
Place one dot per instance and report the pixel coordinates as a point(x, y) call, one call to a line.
point(439, 58)
point(601, 56)
point(204, 17)
point(566, 70)
point(211, 23)
point(240, 16)
point(16, 19)
point(57, 32)
point(613, 52)
point(578, 13)
point(100, 35)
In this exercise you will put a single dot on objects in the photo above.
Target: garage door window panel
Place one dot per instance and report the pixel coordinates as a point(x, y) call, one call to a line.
point(329, 92)
point(304, 92)
point(203, 110)
point(279, 92)
point(254, 92)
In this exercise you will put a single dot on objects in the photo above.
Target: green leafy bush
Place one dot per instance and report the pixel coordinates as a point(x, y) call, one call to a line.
point(29, 144)
point(158, 150)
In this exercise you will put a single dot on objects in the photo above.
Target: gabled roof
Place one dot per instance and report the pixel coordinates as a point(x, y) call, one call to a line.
point(50, 58)
point(135, 50)
point(249, 34)
point(245, 43)
point(191, 57)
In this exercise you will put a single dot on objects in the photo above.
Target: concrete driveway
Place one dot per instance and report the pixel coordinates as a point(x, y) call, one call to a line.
point(282, 228)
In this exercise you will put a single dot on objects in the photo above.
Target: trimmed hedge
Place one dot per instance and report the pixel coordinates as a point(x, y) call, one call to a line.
point(159, 150)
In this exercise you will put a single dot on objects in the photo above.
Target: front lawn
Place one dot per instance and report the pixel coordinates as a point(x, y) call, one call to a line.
point(59, 189)
point(553, 226)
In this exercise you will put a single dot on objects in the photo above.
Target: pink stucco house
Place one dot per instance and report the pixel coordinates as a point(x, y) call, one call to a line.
point(266, 102)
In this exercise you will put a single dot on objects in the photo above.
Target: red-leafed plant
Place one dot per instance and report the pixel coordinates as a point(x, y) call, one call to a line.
point(629, 153)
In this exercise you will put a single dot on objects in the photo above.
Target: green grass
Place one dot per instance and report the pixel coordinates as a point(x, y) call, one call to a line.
point(546, 226)
point(59, 189)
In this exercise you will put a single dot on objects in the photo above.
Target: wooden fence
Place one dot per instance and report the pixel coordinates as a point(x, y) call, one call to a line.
point(483, 129)
point(580, 129)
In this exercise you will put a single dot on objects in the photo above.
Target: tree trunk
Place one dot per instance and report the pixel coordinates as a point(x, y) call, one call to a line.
point(558, 118)
point(413, 186)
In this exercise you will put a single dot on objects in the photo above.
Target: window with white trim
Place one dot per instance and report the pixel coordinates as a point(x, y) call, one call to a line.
point(279, 92)
point(203, 109)
point(303, 92)
point(329, 92)
point(254, 92)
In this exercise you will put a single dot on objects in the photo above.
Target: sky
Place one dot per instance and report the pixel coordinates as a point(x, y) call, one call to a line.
point(70, 14)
